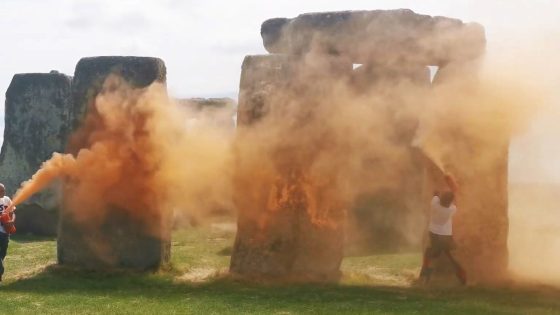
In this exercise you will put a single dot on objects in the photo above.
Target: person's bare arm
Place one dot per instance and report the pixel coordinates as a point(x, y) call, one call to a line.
point(11, 208)
point(451, 183)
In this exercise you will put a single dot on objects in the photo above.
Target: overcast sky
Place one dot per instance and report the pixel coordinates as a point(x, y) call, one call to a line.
point(203, 42)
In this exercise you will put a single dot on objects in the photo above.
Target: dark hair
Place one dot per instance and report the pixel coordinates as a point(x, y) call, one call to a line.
point(446, 198)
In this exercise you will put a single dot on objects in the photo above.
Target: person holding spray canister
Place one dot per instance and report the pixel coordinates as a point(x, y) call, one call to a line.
point(7, 218)
point(442, 210)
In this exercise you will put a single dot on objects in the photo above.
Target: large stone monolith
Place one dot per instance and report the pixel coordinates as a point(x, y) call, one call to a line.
point(479, 161)
point(124, 238)
point(380, 36)
point(38, 122)
point(481, 225)
point(279, 234)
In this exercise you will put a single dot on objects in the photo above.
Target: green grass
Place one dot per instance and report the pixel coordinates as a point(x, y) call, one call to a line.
point(197, 284)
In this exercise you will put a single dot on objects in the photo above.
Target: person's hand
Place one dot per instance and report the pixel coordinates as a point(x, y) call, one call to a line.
point(11, 208)
point(451, 182)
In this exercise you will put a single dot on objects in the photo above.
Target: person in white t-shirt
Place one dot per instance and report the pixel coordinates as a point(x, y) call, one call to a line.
point(5, 202)
point(440, 229)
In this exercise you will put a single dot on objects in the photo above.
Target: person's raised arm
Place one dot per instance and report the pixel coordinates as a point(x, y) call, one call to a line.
point(451, 182)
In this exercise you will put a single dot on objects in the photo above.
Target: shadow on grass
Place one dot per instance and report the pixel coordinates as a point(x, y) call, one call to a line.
point(29, 238)
point(332, 298)
point(363, 251)
point(226, 251)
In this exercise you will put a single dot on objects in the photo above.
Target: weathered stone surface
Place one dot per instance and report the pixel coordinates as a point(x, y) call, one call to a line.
point(261, 76)
point(483, 224)
point(279, 236)
point(36, 220)
point(122, 239)
point(38, 122)
point(391, 36)
point(480, 163)
point(91, 72)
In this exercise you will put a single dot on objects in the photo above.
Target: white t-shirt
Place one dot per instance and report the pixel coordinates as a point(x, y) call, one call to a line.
point(441, 218)
point(4, 203)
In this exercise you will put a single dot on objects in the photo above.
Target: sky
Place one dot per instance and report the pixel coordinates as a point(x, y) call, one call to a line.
point(203, 42)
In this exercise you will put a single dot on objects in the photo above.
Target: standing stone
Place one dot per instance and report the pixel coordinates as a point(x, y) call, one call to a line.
point(280, 235)
point(38, 122)
point(480, 226)
point(121, 239)
point(90, 74)
point(261, 77)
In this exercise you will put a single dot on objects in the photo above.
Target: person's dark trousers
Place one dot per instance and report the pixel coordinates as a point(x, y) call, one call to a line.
point(4, 240)
point(441, 244)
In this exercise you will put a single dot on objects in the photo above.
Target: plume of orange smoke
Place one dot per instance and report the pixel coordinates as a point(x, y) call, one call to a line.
point(135, 152)
point(58, 165)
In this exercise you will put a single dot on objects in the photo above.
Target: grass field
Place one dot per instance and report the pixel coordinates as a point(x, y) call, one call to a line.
point(197, 283)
